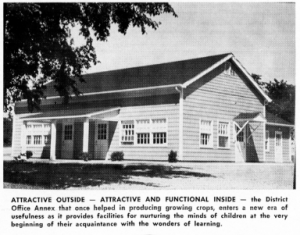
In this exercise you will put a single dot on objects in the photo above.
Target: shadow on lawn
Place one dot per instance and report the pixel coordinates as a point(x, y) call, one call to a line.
point(61, 176)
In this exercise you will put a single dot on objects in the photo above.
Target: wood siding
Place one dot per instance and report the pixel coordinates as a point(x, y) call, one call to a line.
point(219, 97)
point(270, 155)
point(171, 112)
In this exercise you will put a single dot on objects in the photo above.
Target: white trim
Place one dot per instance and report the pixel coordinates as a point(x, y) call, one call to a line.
point(278, 124)
point(151, 131)
point(211, 146)
point(251, 79)
point(180, 137)
point(88, 115)
point(117, 91)
point(206, 71)
point(268, 146)
point(228, 134)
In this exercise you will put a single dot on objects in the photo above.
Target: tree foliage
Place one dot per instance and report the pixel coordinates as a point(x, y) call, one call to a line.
point(38, 44)
point(282, 95)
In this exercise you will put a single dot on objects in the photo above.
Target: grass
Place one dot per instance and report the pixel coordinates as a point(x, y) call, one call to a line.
point(30, 175)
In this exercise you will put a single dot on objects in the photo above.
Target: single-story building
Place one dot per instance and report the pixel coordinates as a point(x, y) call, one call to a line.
point(206, 109)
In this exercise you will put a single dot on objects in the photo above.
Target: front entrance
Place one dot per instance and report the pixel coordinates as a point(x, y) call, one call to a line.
point(67, 140)
point(101, 140)
point(278, 146)
point(240, 144)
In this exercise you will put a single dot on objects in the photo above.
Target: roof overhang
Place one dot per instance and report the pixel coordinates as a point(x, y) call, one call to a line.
point(250, 117)
point(65, 115)
point(279, 124)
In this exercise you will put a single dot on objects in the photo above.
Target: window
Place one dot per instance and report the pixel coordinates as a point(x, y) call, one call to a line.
point(37, 134)
point(127, 132)
point(160, 138)
point(144, 132)
point(68, 132)
point(102, 131)
point(28, 139)
point(240, 135)
point(37, 126)
point(143, 138)
point(223, 135)
point(37, 139)
point(206, 133)
point(267, 142)
point(47, 139)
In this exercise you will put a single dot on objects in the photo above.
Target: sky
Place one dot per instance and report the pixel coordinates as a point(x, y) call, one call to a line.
point(260, 35)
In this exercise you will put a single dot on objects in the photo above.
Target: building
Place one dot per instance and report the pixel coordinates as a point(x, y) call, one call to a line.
point(206, 109)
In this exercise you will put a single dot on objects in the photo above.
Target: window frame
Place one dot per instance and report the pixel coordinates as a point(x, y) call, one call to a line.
point(267, 147)
point(151, 129)
point(44, 130)
point(211, 145)
point(228, 135)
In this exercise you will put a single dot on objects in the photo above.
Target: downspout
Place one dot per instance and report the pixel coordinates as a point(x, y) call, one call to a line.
point(180, 150)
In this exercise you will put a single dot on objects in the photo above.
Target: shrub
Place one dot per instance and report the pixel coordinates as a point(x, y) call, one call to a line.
point(172, 156)
point(29, 154)
point(117, 156)
point(85, 156)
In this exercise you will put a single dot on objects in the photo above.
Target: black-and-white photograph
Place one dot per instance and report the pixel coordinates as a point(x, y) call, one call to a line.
point(149, 96)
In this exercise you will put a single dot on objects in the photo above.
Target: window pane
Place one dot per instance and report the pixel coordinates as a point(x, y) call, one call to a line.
point(223, 141)
point(28, 139)
point(160, 138)
point(127, 132)
point(68, 132)
point(37, 139)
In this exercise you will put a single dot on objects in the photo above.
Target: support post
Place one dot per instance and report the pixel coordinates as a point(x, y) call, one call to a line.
point(23, 138)
point(53, 142)
point(85, 147)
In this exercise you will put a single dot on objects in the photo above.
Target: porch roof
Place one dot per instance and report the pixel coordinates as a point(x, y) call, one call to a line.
point(70, 113)
point(250, 117)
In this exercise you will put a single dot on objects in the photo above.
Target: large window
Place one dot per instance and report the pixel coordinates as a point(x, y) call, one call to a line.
point(127, 132)
point(37, 134)
point(267, 142)
point(206, 133)
point(223, 134)
point(144, 132)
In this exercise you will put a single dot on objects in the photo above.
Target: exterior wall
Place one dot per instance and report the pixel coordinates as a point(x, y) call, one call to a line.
point(219, 97)
point(18, 135)
point(169, 111)
point(270, 155)
point(157, 106)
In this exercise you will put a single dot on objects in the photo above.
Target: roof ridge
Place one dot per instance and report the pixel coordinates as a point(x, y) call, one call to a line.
point(164, 63)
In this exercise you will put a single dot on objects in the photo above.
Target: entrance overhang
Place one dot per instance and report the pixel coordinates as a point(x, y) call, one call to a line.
point(99, 113)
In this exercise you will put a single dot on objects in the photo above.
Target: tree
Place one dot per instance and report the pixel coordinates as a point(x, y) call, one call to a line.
point(38, 44)
point(283, 99)
point(282, 95)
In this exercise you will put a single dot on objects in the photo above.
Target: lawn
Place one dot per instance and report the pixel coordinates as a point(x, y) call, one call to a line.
point(38, 175)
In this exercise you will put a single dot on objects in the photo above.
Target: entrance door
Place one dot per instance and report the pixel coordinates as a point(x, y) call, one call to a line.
point(101, 140)
point(67, 140)
point(240, 145)
point(278, 146)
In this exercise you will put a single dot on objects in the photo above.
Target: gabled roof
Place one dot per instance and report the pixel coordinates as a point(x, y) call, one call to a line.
point(251, 117)
point(274, 120)
point(179, 73)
